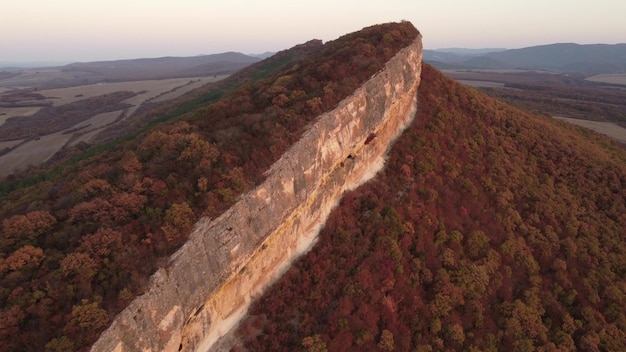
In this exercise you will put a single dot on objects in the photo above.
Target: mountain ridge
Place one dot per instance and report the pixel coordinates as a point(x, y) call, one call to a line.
point(94, 229)
point(558, 57)
point(490, 228)
point(257, 237)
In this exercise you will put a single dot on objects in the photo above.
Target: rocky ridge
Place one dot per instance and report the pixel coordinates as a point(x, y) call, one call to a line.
point(209, 283)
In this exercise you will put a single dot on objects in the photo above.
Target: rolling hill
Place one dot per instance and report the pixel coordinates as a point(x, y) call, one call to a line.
point(560, 57)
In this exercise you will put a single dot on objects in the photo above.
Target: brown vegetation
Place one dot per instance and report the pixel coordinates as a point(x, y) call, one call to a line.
point(490, 229)
point(22, 98)
point(97, 228)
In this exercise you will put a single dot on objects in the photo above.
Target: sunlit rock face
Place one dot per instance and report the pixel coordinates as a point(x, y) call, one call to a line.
point(227, 262)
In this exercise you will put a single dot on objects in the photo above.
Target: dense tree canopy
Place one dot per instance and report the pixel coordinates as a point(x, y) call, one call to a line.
point(77, 247)
point(489, 229)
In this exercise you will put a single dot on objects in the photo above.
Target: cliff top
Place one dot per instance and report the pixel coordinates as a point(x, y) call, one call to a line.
point(78, 242)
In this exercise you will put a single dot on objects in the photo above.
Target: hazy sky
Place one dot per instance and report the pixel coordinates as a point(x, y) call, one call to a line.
point(88, 30)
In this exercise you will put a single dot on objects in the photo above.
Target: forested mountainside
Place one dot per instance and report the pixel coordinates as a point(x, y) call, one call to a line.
point(490, 229)
point(77, 243)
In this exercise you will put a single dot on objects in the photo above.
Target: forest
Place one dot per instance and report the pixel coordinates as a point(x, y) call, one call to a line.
point(490, 229)
point(79, 241)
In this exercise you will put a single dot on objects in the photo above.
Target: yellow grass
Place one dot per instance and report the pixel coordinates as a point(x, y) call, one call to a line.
point(6, 113)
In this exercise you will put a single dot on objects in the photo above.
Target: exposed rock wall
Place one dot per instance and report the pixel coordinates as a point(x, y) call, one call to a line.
point(227, 262)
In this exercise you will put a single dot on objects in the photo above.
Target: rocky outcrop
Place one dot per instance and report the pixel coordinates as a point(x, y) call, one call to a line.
point(209, 283)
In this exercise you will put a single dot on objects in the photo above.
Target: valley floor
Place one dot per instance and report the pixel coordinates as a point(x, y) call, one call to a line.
point(39, 111)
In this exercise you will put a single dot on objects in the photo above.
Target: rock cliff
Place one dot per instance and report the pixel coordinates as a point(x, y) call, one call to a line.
point(209, 283)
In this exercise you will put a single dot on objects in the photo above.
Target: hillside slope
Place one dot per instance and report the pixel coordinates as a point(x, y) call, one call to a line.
point(489, 229)
point(208, 283)
point(79, 242)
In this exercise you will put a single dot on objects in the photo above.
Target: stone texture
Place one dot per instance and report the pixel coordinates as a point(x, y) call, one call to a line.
point(209, 283)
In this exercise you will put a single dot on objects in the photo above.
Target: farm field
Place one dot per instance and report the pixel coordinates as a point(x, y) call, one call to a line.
point(6, 113)
point(611, 78)
point(595, 102)
point(150, 88)
point(482, 84)
point(39, 127)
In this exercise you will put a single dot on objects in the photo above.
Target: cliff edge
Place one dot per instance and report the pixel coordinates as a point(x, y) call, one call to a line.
point(209, 282)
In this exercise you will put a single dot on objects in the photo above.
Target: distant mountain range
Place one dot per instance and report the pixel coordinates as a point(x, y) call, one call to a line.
point(488, 228)
point(561, 57)
point(215, 64)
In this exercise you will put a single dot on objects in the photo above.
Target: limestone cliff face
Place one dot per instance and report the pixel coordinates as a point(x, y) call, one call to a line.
point(209, 283)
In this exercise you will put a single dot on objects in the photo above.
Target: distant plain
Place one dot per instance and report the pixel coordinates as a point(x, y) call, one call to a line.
point(44, 110)
point(32, 151)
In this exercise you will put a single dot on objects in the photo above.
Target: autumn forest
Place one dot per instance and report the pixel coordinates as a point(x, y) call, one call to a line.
point(80, 239)
point(490, 228)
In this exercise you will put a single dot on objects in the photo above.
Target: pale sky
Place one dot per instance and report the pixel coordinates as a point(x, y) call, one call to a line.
point(89, 30)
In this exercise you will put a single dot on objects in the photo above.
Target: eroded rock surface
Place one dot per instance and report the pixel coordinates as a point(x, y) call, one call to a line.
point(209, 282)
